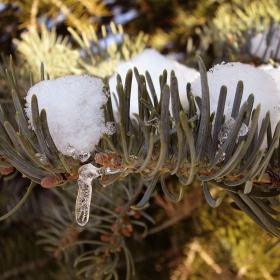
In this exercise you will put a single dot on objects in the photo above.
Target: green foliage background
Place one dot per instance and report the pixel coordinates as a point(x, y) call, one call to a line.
point(186, 240)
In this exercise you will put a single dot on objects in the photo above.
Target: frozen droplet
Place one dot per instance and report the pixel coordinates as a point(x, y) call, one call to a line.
point(80, 155)
point(113, 171)
point(70, 150)
point(83, 203)
point(226, 128)
point(42, 158)
point(243, 130)
point(83, 156)
point(222, 158)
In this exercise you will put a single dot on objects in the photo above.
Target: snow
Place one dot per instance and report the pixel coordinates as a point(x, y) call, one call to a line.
point(73, 105)
point(265, 66)
point(265, 85)
point(259, 45)
point(155, 63)
point(124, 18)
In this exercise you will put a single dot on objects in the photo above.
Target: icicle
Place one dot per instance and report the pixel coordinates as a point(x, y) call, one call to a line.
point(87, 173)
point(83, 203)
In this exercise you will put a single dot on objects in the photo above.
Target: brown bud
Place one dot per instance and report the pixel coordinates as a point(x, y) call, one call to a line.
point(126, 232)
point(105, 238)
point(51, 180)
point(137, 215)
point(118, 209)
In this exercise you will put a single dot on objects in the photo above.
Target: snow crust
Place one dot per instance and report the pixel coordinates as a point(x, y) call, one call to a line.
point(73, 105)
point(265, 85)
point(155, 63)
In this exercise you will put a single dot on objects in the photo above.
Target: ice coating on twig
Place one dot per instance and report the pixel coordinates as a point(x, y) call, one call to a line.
point(113, 171)
point(87, 173)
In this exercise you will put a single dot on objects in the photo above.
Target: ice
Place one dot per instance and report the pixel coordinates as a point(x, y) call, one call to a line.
point(244, 129)
point(74, 111)
point(88, 172)
point(83, 156)
point(265, 85)
point(42, 158)
point(226, 128)
point(80, 155)
point(113, 171)
point(155, 63)
point(83, 203)
point(70, 150)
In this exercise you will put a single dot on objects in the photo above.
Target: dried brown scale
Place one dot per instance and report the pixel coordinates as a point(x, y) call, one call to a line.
point(7, 170)
point(274, 177)
point(109, 159)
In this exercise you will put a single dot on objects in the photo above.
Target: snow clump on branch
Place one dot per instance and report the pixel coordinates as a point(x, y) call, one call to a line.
point(74, 111)
point(265, 85)
point(152, 61)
